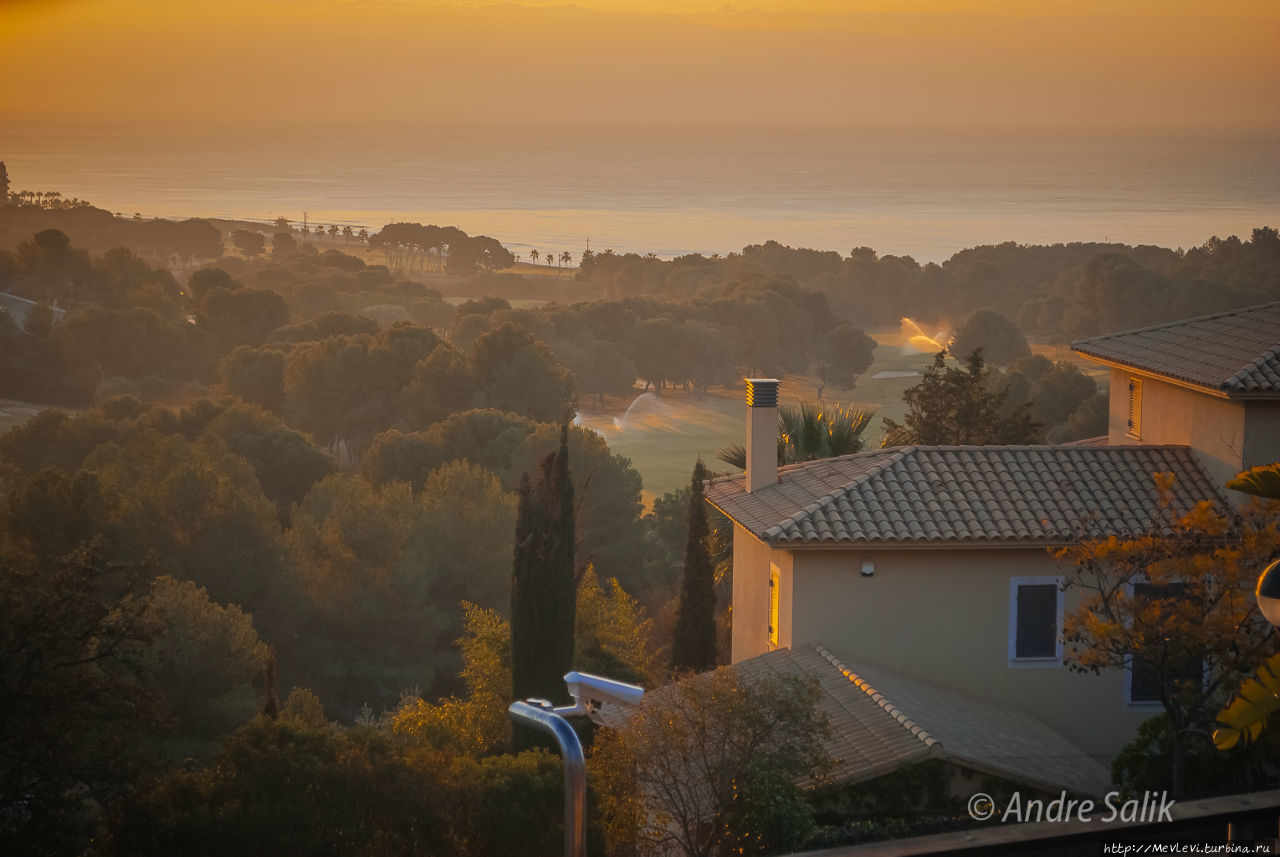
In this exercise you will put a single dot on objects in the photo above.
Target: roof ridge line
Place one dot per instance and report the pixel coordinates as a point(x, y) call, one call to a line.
point(1036, 447)
point(1175, 323)
point(891, 459)
point(878, 698)
point(888, 451)
point(891, 456)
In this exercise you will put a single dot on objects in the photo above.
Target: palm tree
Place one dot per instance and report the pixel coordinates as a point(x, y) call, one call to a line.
point(348, 233)
point(808, 432)
point(333, 231)
point(363, 234)
point(566, 257)
point(550, 257)
point(534, 254)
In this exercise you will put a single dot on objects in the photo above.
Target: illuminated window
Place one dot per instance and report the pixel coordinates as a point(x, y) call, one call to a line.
point(775, 583)
point(1035, 622)
point(1135, 407)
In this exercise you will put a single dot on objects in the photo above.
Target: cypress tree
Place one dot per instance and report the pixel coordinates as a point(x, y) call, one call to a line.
point(695, 637)
point(270, 702)
point(543, 591)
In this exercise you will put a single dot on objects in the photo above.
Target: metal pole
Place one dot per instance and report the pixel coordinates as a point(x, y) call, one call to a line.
point(575, 771)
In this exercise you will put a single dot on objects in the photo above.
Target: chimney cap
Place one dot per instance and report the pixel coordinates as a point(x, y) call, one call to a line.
point(762, 392)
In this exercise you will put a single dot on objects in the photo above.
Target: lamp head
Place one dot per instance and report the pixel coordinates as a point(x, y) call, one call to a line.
point(607, 701)
point(1269, 592)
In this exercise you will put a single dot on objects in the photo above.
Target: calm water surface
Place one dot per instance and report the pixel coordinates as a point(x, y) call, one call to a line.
point(918, 194)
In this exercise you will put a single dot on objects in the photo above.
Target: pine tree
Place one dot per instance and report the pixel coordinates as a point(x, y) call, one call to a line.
point(961, 406)
point(543, 595)
point(695, 637)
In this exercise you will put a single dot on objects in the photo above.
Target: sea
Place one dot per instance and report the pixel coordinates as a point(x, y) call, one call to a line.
point(920, 193)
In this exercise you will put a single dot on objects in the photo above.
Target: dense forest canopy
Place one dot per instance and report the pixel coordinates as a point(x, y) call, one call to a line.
point(290, 473)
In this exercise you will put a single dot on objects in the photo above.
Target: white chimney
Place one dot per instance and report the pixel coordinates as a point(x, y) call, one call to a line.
point(762, 432)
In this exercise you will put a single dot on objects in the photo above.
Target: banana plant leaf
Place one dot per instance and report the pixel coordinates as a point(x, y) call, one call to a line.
point(1246, 716)
point(1263, 481)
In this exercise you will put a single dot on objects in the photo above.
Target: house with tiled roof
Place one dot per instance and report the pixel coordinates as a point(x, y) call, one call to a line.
point(1211, 383)
point(926, 572)
point(882, 719)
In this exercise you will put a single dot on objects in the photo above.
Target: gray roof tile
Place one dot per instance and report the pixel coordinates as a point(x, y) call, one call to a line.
point(975, 494)
point(882, 719)
point(1237, 352)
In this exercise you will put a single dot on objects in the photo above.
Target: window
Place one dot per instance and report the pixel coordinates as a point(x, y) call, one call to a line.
point(1143, 677)
point(1035, 622)
point(775, 583)
point(1135, 407)
point(1144, 683)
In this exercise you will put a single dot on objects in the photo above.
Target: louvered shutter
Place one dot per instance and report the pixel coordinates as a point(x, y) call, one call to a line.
point(775, 582)
point(1144, 685)
point(1135, 407)
point(1037, 628)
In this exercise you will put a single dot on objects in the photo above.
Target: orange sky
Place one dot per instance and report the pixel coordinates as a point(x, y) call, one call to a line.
point(864, 63)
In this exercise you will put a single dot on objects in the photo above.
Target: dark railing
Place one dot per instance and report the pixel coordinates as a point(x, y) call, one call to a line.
point(1244, 818)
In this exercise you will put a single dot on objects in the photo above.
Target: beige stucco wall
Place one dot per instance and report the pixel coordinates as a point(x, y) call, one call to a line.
point(751, 562)
point(1213, 427)
point(941, 614)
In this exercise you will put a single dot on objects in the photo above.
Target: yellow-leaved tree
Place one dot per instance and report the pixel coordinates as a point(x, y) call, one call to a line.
point(612, 637)
point(476, 723)
point(1175, 607)
point(709, 765)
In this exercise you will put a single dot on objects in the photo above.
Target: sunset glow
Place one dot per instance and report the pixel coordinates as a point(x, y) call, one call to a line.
point(860, 64)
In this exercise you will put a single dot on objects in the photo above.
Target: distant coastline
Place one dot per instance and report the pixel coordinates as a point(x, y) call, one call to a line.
point(915, 195)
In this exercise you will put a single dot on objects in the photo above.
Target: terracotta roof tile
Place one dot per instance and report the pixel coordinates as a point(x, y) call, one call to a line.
point(1235, 352)
point(977, 494)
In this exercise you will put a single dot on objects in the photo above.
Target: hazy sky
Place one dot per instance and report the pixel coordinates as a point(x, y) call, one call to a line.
point(1141, 64)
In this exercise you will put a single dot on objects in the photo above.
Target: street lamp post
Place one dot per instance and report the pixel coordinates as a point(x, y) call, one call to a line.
point(607, 702)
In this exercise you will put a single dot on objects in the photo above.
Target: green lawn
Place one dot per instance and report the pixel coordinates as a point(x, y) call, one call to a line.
point(13, 413)
point(665, 434)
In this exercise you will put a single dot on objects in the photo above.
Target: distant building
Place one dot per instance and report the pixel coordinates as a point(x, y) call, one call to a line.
point(923, 571)
point(18, 307)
